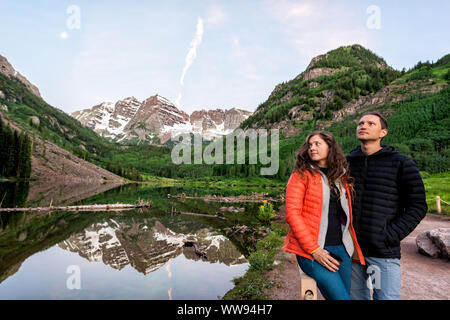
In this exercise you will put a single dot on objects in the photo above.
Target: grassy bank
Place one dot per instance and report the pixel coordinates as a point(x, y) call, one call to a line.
point(253, 284)
point(437, 184)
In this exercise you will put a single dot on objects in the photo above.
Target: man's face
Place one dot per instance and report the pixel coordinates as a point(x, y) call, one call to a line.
point(369, 129)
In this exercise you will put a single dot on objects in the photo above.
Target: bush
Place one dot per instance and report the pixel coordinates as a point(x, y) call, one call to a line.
point(447, 75)
point(261, 260)
point(271, 241)
point(266, 212)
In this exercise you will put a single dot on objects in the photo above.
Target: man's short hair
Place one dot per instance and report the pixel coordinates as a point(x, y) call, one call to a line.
point(383, 121)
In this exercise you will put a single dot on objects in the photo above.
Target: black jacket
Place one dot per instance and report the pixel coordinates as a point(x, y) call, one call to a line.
point(389, 201)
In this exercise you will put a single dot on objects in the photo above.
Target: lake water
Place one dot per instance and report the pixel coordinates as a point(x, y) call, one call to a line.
point(135, 254)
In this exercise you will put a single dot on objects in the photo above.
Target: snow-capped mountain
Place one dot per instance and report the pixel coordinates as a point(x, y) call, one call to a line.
point(147, 246)
point(156, 119)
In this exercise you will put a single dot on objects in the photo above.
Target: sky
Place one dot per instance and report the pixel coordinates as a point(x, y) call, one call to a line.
point(202, 54)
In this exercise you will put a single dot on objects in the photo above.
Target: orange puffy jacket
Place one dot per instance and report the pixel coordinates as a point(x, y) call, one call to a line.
point(304, 197)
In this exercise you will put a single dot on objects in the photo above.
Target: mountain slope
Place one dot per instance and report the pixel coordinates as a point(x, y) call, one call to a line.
point(328, 83)
point(61, 145)
point(7, 69)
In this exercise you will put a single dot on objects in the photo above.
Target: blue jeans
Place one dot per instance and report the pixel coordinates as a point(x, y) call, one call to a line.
point(384, 276)
point(332, 285)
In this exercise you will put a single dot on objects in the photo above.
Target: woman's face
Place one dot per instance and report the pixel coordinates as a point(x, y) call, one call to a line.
point(318, 150)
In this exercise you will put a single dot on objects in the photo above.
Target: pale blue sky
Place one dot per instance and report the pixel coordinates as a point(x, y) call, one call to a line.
point(139, 48)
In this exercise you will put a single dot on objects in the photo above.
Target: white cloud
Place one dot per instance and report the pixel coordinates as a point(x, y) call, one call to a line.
point(314, 27)
point(237, 50)
point(215, 16)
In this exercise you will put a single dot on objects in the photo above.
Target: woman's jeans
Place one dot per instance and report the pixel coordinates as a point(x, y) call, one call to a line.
point(332, 285)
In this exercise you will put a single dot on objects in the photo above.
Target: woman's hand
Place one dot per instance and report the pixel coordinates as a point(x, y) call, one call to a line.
point(323, 257)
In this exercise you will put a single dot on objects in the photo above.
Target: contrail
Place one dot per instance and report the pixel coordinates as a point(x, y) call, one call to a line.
point(193, 49)
point(177, 102)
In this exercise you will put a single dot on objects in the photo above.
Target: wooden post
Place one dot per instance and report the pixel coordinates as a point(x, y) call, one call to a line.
point(308, 287)
point(438, 204)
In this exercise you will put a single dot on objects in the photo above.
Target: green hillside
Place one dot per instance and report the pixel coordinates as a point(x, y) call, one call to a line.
point(356, 72)
point(63, 130)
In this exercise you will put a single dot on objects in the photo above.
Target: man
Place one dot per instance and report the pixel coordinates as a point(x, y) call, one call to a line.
point(388, 205)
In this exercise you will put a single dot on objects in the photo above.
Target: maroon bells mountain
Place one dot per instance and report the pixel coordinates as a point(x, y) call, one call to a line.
point(155, 120)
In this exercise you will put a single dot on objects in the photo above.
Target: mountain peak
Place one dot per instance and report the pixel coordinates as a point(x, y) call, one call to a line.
point(347, 56)
point(156, 120)
point(157, 99)
point(7, 69)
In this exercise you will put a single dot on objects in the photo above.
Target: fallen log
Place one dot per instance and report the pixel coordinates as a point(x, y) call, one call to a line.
point(217, 215)
point(94, 207)
point(223, 199)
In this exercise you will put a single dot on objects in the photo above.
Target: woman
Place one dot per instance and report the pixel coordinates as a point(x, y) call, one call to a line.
point(319, 213)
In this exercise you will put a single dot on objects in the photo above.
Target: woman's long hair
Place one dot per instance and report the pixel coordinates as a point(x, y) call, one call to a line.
point(338, 168)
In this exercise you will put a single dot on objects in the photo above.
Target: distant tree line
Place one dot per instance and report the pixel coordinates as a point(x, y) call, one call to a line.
point(15, 153)
point(129, 173)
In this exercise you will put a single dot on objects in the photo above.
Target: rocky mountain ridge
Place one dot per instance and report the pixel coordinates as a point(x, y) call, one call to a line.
point(7, 69)
point(155, 120)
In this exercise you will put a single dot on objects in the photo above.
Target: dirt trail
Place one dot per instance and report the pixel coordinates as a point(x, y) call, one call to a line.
point(423, 278)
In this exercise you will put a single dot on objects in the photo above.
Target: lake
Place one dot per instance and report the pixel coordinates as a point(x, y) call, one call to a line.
point(133, 254)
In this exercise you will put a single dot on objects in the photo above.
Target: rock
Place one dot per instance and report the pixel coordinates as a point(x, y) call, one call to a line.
point(3, 107)
point(441, 239)
point(426, 245)
point(22, 236)
point(223, 208)
point(2, 95)
point(35, 120)
point(318, 72)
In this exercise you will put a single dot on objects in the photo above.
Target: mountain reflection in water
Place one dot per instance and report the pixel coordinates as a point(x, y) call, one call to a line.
point(124, 255)
point(135, 254)
point(147, 245)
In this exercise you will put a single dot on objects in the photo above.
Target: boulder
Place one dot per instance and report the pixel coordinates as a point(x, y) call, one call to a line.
point(35, 120)
point(434, 243)
point(426, 245)
point(441, 238)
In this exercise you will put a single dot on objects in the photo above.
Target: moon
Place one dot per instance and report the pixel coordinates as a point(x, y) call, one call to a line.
point(63, 35)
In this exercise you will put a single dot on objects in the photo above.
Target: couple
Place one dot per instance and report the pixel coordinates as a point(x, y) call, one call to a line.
point(356, 209)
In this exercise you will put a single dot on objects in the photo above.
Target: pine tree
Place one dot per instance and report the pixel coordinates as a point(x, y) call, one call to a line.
point(10, 155)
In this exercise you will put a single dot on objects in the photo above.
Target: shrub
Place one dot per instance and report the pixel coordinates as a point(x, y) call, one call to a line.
point(266, 212)
point(261, 260)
